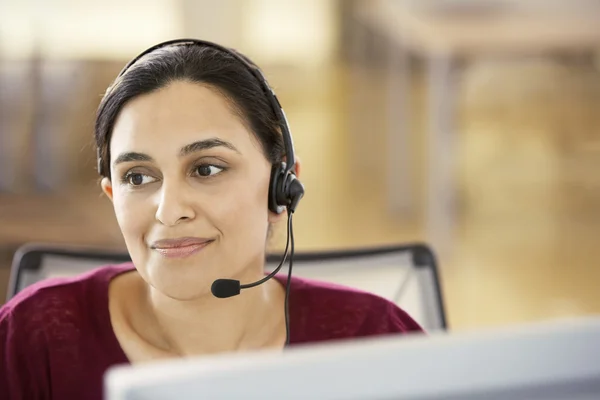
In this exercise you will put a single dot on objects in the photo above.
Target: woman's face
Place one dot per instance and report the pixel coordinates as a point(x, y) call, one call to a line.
point(189, 187)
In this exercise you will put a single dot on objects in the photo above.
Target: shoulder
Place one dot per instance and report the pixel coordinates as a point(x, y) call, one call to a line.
point(329, 310)
point(45, 319)
point(42, 307)
point(47, 293)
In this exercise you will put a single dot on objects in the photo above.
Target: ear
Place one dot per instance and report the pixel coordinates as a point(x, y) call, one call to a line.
point(297, 167)
point(107, 187)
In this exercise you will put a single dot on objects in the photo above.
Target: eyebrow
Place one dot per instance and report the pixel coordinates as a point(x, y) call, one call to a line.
point(185, 150)
point(204, 145)
point(131, 156)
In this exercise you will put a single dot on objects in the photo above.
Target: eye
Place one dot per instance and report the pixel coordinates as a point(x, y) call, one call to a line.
point(207, 170)
point(137, 179)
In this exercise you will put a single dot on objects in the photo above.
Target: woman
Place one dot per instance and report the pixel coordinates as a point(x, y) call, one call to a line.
point(189, 144)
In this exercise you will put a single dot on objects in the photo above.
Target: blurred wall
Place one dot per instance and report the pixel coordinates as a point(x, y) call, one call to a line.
point(273, 31)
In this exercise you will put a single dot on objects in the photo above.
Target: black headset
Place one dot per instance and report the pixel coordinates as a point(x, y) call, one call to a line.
point(285, 190)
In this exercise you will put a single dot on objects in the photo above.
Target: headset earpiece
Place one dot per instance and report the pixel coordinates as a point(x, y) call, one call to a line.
point(275, 188)
point(285, 190)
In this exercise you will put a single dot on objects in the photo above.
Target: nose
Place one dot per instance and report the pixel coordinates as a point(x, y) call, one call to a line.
point(174, 206)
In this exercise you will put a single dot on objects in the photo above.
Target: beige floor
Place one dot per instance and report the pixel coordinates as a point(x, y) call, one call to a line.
point(527, 241)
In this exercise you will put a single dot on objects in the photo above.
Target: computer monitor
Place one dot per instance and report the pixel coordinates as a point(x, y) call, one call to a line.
point(549, 361)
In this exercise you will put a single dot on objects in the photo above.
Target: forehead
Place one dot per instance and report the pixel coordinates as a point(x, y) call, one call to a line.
point(177, 114)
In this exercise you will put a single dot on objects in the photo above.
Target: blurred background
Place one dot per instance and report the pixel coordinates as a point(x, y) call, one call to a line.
point(473, 126)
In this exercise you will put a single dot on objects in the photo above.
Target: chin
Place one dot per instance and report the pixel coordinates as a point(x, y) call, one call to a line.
point(179, 279)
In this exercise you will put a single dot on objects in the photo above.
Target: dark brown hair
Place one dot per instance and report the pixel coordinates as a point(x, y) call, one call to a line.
point(199, 64)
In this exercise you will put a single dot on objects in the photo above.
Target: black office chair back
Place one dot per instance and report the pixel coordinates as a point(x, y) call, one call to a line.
point(405, 274)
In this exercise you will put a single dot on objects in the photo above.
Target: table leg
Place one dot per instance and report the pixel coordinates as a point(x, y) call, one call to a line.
point(401, 197)
point(14, 90)
point(357, 119)
point(442, 153)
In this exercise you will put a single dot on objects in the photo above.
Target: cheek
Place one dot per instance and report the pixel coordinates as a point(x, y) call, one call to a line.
point(133, 216)
point(244, 216)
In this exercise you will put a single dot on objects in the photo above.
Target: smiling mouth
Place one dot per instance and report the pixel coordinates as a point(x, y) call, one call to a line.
point(181, 250)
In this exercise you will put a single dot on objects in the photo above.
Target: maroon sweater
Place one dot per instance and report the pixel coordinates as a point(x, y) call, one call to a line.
point(56, 338)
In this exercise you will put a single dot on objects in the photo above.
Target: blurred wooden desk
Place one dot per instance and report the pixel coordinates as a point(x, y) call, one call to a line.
point(448, 33)
point(79, 216)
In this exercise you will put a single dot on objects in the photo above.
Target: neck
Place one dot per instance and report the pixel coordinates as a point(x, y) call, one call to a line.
point(204, 325)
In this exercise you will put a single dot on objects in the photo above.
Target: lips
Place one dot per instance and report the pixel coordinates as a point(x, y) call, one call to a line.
point(181, 247)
